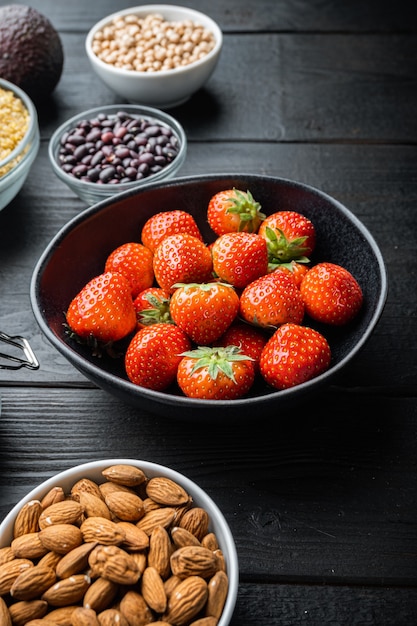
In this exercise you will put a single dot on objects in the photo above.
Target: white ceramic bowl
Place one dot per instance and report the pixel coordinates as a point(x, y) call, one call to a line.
point(92, 192)
point(161, 89)
point(17, 164)
point(93, 470)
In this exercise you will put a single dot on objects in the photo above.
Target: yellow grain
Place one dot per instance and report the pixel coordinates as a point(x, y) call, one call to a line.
point(14, 123)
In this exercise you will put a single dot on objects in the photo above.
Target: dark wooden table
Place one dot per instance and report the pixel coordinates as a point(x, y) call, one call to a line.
point(324, 508)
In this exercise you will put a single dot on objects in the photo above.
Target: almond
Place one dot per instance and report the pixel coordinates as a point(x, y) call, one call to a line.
point(100, 595)
point(84, 485)
point(102, 530)
point(150, 505)
point(186, 601)
point(193, 561)
point(170, 584)
point(153, 591)
point(23, 612)
point(75, 561)
point(210, 541)
point(94, 506)
point(217, 592)
point(5, 618)
point(31, 583)
point(65, 512)
point(182, 537)
point(61, 538)
point(6, 554)
point(160, 551)
point(204, 621)
point(50, 559)
point(115, 564)
point(135, 609)
point(41, 622)
point(27, 518)
point(196, 521)
point(67, 591)
point(135, 538)
point(159, 517)
point(127, 507)
point(10, 571)
point(61, 616)
point(56, 494)
point(111, 617)
point(180, 511)
point(166, 491)
point(84, 617)
point(126, 475)
point(107, 488)
point(28, 546)
point(141, 561)
point(221, 563)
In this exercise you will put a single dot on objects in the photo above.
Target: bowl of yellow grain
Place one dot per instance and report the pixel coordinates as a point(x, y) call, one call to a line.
point(19, 139)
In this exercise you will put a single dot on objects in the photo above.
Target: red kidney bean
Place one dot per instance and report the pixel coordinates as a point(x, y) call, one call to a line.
point(107, 174)
point(146, 157)
point(80, 170)
point(76, 139)
point(117, 148)
point(80, 152)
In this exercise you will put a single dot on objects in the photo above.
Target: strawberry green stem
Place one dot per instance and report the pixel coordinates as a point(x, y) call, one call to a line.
point(283, 250)
point(248, 209)
point(216, 359)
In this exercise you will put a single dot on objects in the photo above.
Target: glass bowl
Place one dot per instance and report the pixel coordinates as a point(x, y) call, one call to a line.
point(92, 192)
point(15, 167)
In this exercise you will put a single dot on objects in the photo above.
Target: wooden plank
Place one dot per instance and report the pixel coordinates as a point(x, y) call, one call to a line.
point(285, 605)
point(278, 88)
point(326, 500)
point(245, 15)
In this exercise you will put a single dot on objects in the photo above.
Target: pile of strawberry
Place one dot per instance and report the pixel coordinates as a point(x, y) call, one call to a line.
point(214, 317)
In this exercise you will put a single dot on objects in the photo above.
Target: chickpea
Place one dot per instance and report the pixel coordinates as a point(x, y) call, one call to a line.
point(151, 44)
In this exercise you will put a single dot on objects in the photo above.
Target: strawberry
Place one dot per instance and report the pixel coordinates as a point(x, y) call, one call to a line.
point(293, 355)
point(233, 210)
point(134, 261)
point(249, 339)
point(239, 258)
point(272, 300)
point(294, 269)
point(103, 310)
point(153, 355)
point(212, 373)
point(182, 258)
point(289, 236)
point(204, 311)
point(165, 223)
point(331, 294)
point(152, 306)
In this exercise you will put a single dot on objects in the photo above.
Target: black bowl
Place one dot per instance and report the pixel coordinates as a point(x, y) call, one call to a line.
point(78, 252)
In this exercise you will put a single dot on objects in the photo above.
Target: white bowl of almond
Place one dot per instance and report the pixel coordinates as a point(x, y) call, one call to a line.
point(157, 55)
point(112, 541)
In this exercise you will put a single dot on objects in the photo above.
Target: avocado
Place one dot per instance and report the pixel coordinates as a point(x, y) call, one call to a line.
point(31, 51)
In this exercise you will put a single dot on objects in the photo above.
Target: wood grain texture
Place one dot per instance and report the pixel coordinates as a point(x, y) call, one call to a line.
point(247, 16)
point(322, 500)
point(325, 497)
point(277, 88)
